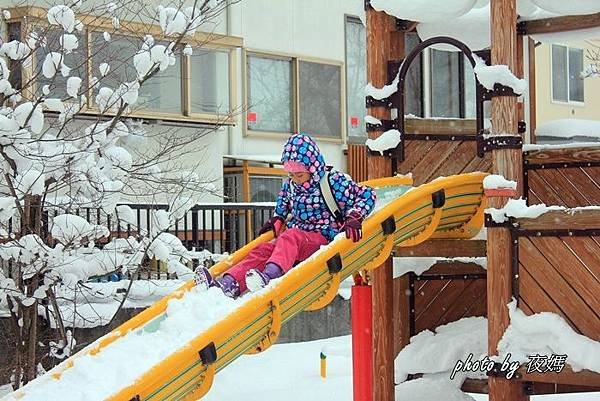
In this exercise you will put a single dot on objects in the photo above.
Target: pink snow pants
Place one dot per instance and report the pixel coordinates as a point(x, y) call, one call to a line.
point(292, 245)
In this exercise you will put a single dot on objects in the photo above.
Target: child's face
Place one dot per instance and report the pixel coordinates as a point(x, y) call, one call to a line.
point(299, 178)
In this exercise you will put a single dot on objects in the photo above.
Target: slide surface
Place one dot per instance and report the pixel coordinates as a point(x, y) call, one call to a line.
point(448, 207)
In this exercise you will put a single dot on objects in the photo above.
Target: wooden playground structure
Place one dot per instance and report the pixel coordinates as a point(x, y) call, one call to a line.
point(550, 263)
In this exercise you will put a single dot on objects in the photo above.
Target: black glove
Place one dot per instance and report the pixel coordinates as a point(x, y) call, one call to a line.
point(274, 224)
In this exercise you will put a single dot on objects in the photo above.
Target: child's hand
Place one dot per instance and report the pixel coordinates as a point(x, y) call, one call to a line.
point(353, 226)
point(274, 224)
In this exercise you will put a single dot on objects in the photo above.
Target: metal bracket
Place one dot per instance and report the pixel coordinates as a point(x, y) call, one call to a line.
point(372, 102)
point(440, 137)
point(208, 354)
point(521, 127)
point(334, 265)
point(497, 142)
point(136, 398)
point(521, 28)
point(438, 198)
point(388, 226)
point(499, 90)
point(385, 125)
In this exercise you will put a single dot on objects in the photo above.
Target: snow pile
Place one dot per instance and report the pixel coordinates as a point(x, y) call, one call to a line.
point(569, 128)
point(94, 304)
point(388, 140)
point(571, 7)
point(385, 92)
point(488, 75)
point(438, 352)
point(518, 208)
point(472, 28)
point(494, 181)
point(424, 10)
point(546, 334)
point(372, 120)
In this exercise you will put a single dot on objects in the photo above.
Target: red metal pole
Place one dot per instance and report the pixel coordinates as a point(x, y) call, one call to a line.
point(362, 341)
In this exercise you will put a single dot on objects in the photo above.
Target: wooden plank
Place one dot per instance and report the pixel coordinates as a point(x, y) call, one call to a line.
point(427, 294)
point(474, 293)
point(584, 185)
point(588, 251)
point(479, 164)
point(461, 157)
point(558, 289)
point(478, 386)
point(536, 298)
point(413, 153)
point(437, 309)
point(401, 313)
point(567, 376)
point(542, 189)
point(573, 271)
point(561, 24)
point(565, 155)
point(593, 173)
point(452, 268)
point(431, 161)
point(568, 193)
point(532, 198)
point(562, 220)
point(445, 248)
point(437, 126)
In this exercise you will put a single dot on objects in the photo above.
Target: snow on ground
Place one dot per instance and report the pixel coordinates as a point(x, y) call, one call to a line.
point(545, 334)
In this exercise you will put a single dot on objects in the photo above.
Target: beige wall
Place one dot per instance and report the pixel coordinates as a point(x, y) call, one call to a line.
point(547, 110)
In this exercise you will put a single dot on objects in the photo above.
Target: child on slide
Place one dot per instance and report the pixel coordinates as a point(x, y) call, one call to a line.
point(309, 226)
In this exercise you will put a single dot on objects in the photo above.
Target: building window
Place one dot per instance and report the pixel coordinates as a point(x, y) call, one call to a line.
point(452, 84)
point(161, 93)
point(197, 88)
point(270, 94)
point(210, 82)
point(356, 77)
point(272, 83)
point(320, 99)
point(567, 64)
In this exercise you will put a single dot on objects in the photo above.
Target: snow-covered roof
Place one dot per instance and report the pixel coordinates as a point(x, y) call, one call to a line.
point(470, 18)
point(569, 128)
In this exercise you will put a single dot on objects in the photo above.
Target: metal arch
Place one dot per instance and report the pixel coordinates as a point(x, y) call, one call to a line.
point(400, 123)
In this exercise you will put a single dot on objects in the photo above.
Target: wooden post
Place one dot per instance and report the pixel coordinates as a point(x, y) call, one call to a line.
point(381, 33)
point(507, 162)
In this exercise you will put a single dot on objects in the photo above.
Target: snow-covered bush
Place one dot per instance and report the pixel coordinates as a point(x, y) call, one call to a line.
point(54, 163)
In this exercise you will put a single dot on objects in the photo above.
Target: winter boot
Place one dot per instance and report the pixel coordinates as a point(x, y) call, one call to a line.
point(203, 278)
point(229, 285)
point(255, 279)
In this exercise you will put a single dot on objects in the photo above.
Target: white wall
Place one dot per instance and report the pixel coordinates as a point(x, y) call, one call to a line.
point(304, 28)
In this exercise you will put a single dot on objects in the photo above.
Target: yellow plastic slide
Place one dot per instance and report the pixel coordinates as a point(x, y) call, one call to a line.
point(448, 207)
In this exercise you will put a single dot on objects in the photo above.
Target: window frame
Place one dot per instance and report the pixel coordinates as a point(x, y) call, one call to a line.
point(94, 24)
point(569, 102)
point(350, 18)
point(295, 60)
